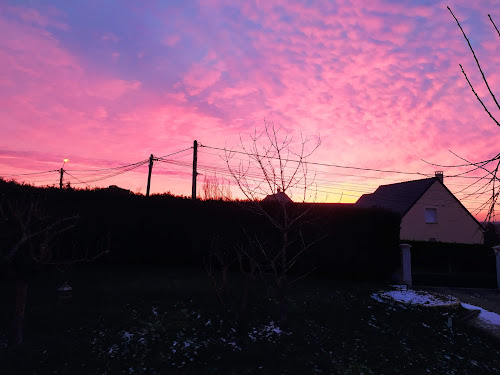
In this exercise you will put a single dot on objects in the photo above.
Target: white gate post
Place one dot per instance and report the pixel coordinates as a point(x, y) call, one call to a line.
point(496, 249)
point(406, 263)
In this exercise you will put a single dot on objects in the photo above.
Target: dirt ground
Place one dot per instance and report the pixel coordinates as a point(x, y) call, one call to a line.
point(488, 299)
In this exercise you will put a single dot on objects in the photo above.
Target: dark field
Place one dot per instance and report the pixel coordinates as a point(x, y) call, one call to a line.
point(154, 320)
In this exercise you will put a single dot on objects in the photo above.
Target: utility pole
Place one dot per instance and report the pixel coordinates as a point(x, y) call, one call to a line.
point(62, 174)
point(149, 174)
point(61, 178)
point(195, 172)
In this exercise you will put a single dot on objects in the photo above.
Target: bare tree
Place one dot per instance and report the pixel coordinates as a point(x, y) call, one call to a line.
point(29, 240)
point(489, 181)
point(216, 188)
point(272, 168)
point(217, 265)
point(224, 253)
point(485, 80)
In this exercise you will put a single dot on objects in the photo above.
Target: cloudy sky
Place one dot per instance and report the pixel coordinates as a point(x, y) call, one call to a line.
point(107, 83)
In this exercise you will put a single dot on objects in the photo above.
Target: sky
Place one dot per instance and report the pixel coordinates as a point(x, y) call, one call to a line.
point(107, 83)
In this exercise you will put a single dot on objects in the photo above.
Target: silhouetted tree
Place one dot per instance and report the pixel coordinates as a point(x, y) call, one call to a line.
point(216, 188)
point(273, 169)
point(28, 233)
point(30, 239)
point(490, 179)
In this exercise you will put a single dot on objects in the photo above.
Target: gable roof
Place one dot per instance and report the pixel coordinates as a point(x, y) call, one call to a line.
point(279, 197)
point(398, 197)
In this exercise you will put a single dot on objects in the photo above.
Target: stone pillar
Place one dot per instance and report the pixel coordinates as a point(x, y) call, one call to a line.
point(406, 263)
point(496, 249)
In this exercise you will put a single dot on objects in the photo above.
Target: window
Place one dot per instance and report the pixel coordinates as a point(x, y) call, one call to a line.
point(431, 215)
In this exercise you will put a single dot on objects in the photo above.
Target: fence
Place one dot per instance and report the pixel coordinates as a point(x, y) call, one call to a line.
point(449, 264)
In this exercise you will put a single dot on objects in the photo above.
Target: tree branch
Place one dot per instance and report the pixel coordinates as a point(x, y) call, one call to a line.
point(495, 26)
point(475, 58)
point(477, 96)
point(25, 238)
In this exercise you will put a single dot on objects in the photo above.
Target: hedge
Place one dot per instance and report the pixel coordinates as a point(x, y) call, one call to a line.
point(453, 264)
point(351, 242)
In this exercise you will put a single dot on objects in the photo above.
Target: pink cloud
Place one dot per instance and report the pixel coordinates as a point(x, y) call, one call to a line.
point(115, 56)
point(203, 75)
point(171, 40)
point(51, 18)
point(101, 113)
point(111, 37)
point(380, 82)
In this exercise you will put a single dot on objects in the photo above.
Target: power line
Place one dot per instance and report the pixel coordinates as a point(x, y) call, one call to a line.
point(174, 153)
point(324, 182)
point(334, 165)
point(364, 188)
point(28, 174)
point(468, 164)
point(330, 189)
point(97, 174)
point(76, 178)
point(115, 173)
point(358, 176)
point(313, 163)
point(106, 169)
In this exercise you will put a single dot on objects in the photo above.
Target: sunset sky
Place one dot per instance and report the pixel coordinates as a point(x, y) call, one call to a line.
point(107, 83)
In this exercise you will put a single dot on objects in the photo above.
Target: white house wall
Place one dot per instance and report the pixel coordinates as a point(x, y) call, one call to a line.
point(454, 223)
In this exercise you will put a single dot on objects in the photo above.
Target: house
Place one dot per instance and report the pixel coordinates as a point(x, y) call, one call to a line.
point(429, 211)
point(118, 190)
point(279, 197)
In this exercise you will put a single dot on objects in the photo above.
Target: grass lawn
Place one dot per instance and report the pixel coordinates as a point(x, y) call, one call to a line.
point(154, 320)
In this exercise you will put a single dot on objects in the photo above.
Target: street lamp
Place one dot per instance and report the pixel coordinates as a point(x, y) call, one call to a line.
point(62, 172)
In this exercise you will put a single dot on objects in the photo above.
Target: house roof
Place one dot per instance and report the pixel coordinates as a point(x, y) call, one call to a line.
point(279, 197)
point(401, 196)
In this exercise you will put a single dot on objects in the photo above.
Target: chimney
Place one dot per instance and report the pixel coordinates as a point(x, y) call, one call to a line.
point(439, 176)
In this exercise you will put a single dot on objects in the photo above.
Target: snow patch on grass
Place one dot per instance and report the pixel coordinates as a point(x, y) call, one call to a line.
point(415, 297)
